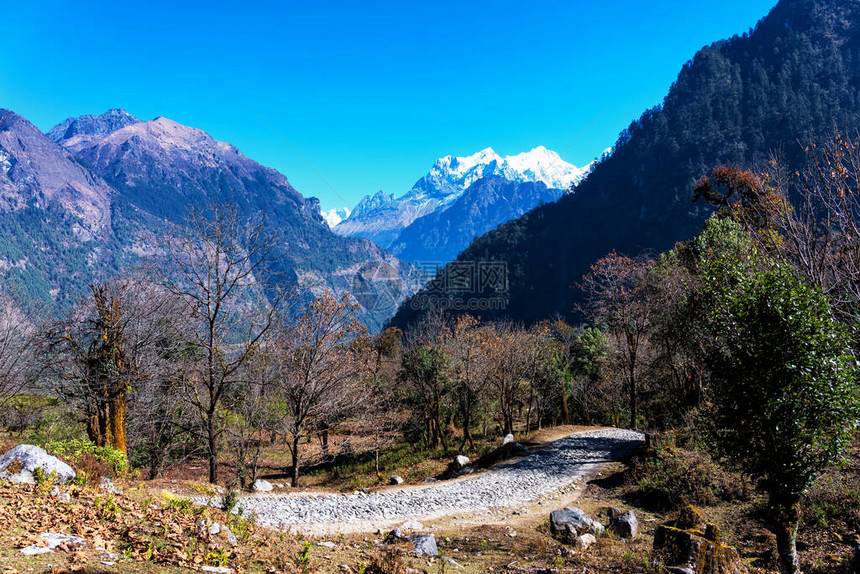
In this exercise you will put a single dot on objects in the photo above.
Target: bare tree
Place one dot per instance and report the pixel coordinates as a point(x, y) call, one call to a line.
point(18, 339)
point(218, 269)
point(316, 369)
point(505, 345)
point(616, 296)
point(468, 371)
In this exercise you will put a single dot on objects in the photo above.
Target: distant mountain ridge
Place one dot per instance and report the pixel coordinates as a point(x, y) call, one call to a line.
point(79, 205)
point(385, 218)
point(795, 78)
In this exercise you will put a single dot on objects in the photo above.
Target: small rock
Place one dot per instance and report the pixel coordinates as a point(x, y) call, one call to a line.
point(107, 563)
point(466, 470)
point(585, 541)
point(395, 480)
point(509, 438)
point(107, 484)
point(452, 562)
point(568, 523)
point(214, 529)
point(412, 525)
point(460, 461)
point(261, 485)
point(327, 544)
point(54, 540)
point(64, 497)
point(231, 538)
point(431, 479)
point(395, 536)
point(216, 569)
point(424, 544)
point(55, 491)
point(624, 525)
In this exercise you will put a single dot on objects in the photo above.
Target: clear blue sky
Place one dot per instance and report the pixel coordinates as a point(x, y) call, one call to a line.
point(368, 93)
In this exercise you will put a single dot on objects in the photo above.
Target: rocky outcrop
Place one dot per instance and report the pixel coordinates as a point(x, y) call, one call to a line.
point(697, 551)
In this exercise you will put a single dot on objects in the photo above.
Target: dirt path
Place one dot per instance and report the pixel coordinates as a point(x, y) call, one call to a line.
point(499, 491)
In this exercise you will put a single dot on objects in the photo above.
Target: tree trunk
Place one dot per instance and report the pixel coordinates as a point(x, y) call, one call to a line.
point(786, 518)
point(211, 440)
point(296, 438)
point(634, 403)
point(565, 410)
point(93, 432)
point(116, 422)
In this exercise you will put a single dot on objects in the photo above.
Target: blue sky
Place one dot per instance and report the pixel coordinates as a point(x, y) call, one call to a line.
point(369, 94)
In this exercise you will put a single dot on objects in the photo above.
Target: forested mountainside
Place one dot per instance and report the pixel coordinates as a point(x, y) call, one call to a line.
point(795, 77)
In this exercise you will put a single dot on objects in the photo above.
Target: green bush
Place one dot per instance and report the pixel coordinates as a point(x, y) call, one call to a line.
point(74, 450)
point(669, 477)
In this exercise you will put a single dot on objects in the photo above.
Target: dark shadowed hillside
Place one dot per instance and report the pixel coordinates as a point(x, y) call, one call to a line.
point(795, 77)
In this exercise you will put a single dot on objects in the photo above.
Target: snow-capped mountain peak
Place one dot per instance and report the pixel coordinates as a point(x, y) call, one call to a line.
point(544, 165)
point(335, 216)
point(381, 217)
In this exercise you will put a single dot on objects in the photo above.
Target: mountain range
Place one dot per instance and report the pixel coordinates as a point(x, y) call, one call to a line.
point(793, 79)
point(462, 194)
point(83, 203)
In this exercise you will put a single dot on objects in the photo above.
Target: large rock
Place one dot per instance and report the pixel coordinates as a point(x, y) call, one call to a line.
point(688, 550)
point(20, 464)
point(261, 485)
point(624, 525)
point(395, 480)
point(509, 438)
point(568, 523)
point(460, 461)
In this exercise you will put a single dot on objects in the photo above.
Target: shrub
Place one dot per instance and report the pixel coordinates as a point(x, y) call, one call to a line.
point(669, 477)
point(78, 452)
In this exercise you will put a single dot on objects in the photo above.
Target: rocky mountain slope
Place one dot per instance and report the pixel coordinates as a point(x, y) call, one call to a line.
point(793, 78)
point(439, 236)
point(78, 208)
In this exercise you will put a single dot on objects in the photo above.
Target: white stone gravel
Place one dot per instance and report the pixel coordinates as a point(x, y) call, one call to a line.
point(538, 474)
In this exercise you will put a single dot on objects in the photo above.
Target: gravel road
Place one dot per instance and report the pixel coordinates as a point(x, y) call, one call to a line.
point(551, 468)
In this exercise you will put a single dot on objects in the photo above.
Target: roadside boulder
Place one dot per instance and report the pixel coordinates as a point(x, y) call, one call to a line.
point(460, 461)
point(261, 485)
point(624, 525)
point(395, 480)
point(568, 523)
point(20, 464)
point(690, 550)
point(509, 438)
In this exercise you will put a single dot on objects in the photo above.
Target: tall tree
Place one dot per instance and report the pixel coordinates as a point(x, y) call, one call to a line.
point(218, 269)
point(785, 398)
